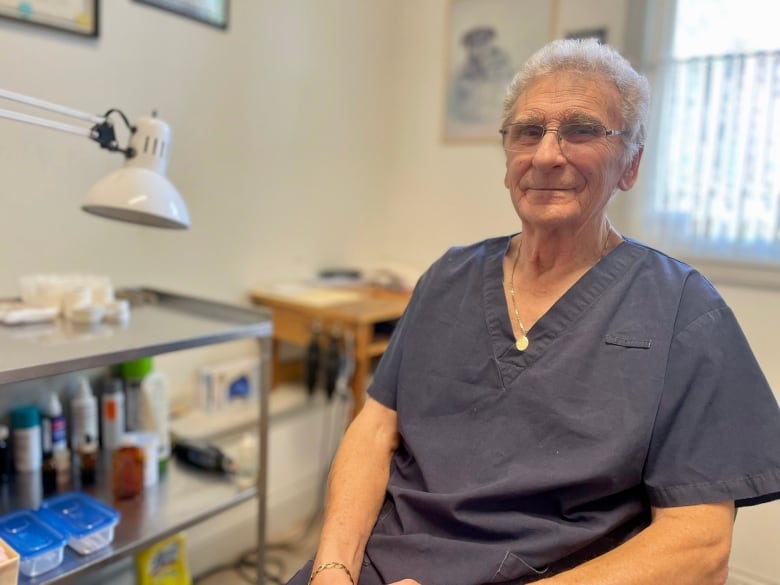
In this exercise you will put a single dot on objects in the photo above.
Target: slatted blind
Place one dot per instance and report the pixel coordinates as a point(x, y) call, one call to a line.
point(720, 138)
point(716, 192)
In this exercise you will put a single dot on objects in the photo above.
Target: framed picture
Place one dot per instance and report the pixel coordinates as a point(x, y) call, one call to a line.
point(600, 34)
point(74, 16)
point(213, 12)
point(488, 41)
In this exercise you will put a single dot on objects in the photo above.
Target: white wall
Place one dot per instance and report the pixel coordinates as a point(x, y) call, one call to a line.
point(272, 147)
point(307, 135)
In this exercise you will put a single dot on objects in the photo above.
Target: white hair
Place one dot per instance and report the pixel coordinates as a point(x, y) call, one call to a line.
point(589, 57)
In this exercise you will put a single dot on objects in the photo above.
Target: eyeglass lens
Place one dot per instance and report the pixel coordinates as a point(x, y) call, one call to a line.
point(527, 136)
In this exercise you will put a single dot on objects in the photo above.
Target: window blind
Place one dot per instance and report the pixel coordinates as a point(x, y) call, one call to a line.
point(718, 183)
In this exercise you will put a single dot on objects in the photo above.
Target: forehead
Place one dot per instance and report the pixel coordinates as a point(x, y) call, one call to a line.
point(559, 95)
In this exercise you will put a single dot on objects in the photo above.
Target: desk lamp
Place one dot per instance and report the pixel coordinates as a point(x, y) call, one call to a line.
point(139, 192)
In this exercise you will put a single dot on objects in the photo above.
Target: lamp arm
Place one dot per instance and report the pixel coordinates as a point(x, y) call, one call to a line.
point(52, 107)
point(37, 121)
point(102, 131)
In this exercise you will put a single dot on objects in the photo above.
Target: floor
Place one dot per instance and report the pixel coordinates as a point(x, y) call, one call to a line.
point(285, 554)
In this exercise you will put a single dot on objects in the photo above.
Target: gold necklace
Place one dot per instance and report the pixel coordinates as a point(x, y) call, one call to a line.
point(521, 343)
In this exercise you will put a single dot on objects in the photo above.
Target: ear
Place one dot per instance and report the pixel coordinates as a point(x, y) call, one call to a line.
point(631, 173)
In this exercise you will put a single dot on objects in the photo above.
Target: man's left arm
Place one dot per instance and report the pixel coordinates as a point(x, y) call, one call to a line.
point(685, 545)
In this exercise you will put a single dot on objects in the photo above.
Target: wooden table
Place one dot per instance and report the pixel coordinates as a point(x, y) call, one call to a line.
point(362, 311)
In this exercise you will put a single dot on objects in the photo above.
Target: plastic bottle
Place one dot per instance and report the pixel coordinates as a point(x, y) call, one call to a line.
point(155, 391)
point(88, 461)
point(133, 373)
point(112, 414)
point(5, 455)
point(84, 415)
point(150, 394)
point(26, 423)
point(54, 431)
point(49, 474)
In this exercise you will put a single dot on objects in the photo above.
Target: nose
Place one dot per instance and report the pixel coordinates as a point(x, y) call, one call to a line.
point(549, 151)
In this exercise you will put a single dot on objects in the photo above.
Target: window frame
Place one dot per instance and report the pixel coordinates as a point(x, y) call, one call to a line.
point(651, 51)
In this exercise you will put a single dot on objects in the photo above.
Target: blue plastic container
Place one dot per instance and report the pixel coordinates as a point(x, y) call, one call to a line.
point(87, 523)
point(40, 546)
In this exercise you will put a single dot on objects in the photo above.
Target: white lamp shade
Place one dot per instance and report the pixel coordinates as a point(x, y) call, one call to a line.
point(139, 192)
point(139, 196)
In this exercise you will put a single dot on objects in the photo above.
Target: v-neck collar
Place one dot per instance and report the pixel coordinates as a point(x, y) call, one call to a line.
point(563, 313)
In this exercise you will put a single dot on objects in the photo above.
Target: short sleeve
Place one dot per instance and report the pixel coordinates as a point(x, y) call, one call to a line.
point(717, 431)
point(384, 384)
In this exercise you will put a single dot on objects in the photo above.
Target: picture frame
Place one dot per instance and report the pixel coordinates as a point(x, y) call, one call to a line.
point(79, 17)
point(488, 41)
point(212, 12)
point(598, 33)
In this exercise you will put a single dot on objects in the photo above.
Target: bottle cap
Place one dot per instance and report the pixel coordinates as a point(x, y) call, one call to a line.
point(113, 386)
point(84, 389)
point(53, 405)
point(136, 369)
point(24, 417)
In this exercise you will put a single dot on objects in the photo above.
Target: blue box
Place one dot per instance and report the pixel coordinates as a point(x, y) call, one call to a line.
point(40, 546)
point(87, 523)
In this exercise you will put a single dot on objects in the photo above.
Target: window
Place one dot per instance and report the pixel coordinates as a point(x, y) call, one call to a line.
point(715, 191)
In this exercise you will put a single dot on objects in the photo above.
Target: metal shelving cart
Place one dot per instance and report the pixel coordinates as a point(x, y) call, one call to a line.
point(160, 322)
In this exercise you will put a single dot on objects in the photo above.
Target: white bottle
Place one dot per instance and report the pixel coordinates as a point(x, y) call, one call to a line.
point(154, 411)
point(53, 426)
point(84, 415)
point(112, 415)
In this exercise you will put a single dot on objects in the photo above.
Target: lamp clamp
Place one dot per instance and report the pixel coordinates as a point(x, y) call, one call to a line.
point(103, 133)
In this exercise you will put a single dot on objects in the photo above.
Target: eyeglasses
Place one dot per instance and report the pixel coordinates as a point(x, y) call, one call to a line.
point(522, 137)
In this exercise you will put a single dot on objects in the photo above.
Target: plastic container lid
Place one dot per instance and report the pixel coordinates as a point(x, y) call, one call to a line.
point(24, 417)
point(78, 515)
point(136, 369)
point(28, 534)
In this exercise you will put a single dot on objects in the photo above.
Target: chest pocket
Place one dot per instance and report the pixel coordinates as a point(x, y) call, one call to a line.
point(629, 342)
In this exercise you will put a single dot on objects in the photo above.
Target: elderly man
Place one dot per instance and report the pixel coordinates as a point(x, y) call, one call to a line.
point(563, 405)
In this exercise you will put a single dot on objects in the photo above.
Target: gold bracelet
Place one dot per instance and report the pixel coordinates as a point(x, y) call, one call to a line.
point(331, 565)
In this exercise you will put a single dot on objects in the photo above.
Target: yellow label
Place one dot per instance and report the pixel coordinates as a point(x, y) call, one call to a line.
point(164, 563)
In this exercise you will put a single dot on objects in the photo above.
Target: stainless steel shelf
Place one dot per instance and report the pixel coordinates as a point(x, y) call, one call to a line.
point(183, 497)
point(160, 322)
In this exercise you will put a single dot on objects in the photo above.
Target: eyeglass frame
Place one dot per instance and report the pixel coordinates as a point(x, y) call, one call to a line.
point(607, 133)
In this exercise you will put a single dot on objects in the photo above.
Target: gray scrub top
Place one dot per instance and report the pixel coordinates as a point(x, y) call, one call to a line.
point(638, 389)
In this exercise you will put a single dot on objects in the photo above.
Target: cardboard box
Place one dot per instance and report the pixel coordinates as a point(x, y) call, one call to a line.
point(9, 569)
point(227, 384)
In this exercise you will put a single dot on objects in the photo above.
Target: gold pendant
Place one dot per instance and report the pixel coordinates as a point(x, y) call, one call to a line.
point(522, 343)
